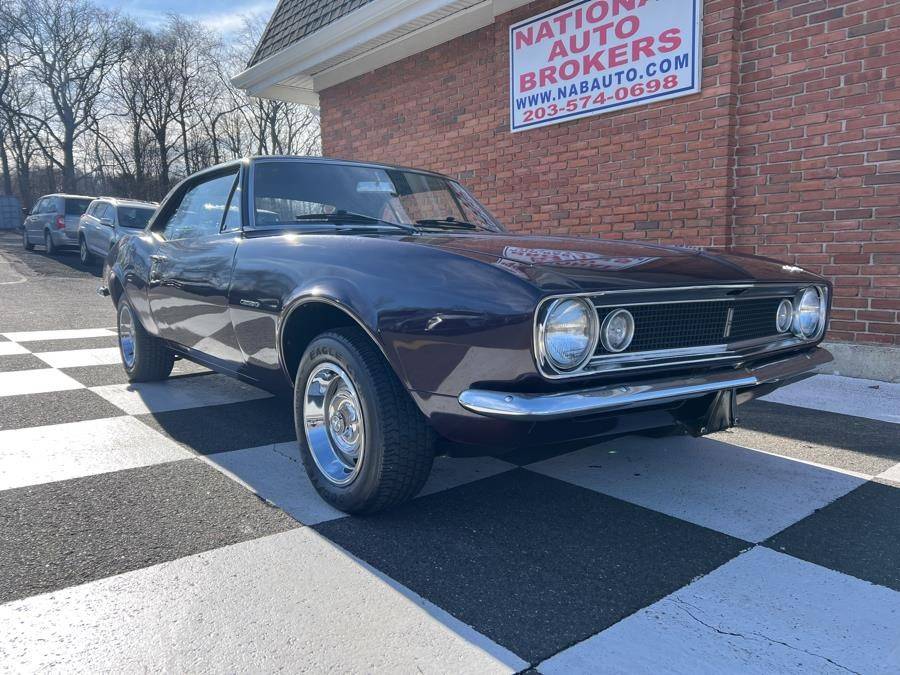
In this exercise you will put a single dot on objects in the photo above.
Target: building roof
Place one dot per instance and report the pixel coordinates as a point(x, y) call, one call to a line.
point(295, 19)
point(311, 45)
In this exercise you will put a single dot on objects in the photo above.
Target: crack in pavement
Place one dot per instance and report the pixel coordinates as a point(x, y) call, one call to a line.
point(683, 606)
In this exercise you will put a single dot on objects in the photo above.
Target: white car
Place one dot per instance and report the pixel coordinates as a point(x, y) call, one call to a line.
point(108, 219)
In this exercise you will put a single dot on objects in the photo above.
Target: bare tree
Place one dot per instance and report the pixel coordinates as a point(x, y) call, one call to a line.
point(70, 47)
point(89, 99)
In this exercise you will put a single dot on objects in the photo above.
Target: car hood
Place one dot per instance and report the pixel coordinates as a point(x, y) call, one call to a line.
point(576, 264)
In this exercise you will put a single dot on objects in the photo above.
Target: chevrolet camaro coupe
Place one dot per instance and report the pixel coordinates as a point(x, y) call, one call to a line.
point(407, 322)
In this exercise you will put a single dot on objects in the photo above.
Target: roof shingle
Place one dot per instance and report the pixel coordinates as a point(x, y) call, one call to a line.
point(295, 19)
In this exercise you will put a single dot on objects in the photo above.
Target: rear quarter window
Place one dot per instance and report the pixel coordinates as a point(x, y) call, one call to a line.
point(77, 207)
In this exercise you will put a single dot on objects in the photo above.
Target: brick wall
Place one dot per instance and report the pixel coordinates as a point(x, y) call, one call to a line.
point(818, 155)
point(792, 149)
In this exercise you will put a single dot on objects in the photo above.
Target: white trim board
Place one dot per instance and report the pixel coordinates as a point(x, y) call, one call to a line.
point(355, 44)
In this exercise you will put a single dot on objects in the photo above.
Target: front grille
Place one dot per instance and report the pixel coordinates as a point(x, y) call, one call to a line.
point(697, 324)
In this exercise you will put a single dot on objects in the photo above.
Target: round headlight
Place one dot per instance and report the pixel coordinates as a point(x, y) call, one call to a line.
point(569, 333)
point(617, 330)
point(809, 313)
point(784, 316)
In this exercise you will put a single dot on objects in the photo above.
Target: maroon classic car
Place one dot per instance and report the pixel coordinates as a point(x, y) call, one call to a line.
point(408, 322)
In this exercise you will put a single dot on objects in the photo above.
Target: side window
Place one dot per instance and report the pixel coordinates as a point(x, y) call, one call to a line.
point(103, 211)
point(38, 206)
point(201, 209)
point(47, 205)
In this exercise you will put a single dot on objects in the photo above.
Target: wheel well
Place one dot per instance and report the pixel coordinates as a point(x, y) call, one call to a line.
point(303, 325)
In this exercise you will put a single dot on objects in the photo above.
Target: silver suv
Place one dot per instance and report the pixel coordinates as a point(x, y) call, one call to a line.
point(108, 219)
point(53, 222)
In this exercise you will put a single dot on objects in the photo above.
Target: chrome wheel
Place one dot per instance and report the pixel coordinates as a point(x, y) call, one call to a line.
point(333, 423)
point(126, 335)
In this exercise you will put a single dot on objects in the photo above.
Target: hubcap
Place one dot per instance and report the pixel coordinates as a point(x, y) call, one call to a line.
point(333, 423)
point(126, 335)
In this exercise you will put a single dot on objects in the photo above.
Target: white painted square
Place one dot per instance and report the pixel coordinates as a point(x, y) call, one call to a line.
point(763, 612)
point(845, 395)
point(450, 472)
point(741, 492)
point(35, 335)
point(287, 602)
point(62, 451)
point(277, 478)
point(892, 474)
point(73, 358)
point(11, 348)
point(138, 398)
point(41, 380)
point(275, 473)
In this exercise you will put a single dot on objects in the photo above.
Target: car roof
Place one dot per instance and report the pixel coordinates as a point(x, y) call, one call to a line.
point(65, 195)
point(315, 160)
point(117, 201)
point(348, 162)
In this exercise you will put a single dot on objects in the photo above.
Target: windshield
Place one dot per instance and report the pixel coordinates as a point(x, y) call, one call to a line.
point(295, 194)
point(77, 207)
point(134, 216)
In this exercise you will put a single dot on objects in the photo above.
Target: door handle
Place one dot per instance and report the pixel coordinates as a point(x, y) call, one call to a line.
point(158, 258)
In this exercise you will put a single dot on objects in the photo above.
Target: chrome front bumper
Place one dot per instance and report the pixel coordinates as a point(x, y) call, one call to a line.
point(538, 407)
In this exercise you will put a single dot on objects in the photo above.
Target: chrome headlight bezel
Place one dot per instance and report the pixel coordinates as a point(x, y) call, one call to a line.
point(592, 334)
point(789, 305)
point(820, 311)
point(604, 338)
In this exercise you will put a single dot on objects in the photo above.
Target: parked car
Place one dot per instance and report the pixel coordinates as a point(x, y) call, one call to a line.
point(105, 221)
point(53, 222)
point(408, 322)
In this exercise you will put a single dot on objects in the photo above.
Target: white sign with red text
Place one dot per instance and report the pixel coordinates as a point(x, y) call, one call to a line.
point(592, 56)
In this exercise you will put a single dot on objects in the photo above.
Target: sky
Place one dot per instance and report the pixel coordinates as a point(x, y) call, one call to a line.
point(223, 16)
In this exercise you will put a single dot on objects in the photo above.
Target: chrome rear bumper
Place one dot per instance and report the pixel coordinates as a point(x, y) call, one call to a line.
point(537, 407)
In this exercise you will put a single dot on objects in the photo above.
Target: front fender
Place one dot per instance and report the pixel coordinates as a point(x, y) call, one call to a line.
point(128, 269)
point(443, 320)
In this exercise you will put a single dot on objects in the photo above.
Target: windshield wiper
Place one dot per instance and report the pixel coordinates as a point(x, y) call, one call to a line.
point(449, 223)
point(352, 218)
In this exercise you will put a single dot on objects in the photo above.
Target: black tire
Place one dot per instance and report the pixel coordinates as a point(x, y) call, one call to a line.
point(87, 258)
point(399, 445)
point(151, 359)
point(27, 245)
point(49, 246)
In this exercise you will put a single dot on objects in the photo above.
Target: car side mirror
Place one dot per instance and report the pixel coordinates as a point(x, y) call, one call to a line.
point(106, 221)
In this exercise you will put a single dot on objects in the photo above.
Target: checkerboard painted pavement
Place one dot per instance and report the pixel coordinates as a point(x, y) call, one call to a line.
point(170, 526)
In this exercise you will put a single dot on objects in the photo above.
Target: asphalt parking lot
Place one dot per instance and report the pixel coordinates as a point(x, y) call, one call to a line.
point(169, 526)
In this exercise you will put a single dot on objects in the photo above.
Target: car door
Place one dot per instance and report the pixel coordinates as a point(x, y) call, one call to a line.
point(104, 224)
point(190, 270)
point(33, 224)
point(87, 227)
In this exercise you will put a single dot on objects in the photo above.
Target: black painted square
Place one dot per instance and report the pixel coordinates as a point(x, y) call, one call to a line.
point(54, 407)
point(534, 563)
point(232, 426)
point(858, 534)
